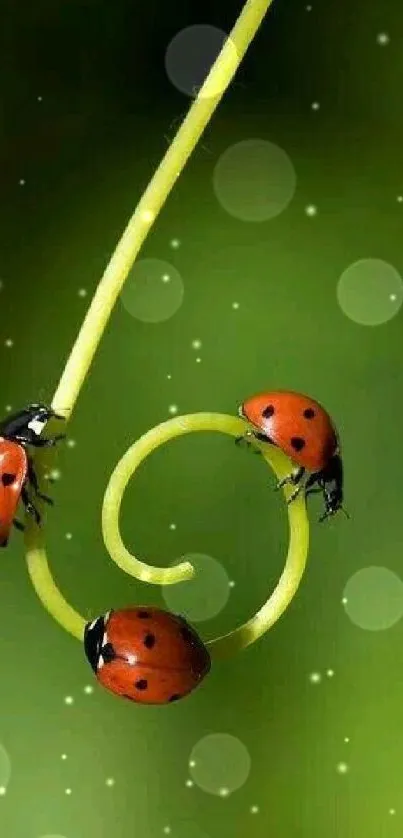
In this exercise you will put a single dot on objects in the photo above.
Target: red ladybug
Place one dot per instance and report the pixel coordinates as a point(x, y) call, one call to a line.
point(17, 433)
point(145, 654)
point(305, 432)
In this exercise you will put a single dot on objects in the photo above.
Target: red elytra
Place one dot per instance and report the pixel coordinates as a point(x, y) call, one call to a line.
point(297, 424)
point(145, 654)
point(13, 474)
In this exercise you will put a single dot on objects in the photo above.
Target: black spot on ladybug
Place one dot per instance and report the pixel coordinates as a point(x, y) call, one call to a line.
point(108, 653)
point(149, 641)
point(142, 684)
point(174, 697)
point(143, 615)
point(268, 411)
point(309, 413)
point(8, 479)
point(297, 443)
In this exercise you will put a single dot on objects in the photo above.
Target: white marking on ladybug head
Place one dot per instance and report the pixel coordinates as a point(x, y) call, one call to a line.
point(37, 425)
point(105, 639)
point(101, 662)
point(91, 625)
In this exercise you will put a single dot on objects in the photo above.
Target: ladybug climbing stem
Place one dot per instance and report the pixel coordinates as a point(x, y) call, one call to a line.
point(80, 359)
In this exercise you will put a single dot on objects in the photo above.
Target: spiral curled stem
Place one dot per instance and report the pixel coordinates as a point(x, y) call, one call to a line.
point(91, 333)
point(298, 520)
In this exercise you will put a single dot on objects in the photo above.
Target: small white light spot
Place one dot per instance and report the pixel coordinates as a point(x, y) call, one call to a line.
point(254, 810)
point(69, 699)
point(64, 757)
point(196, 344)
point(231, 583)
point(166, 278)
point(315, 677)
point(315, 106)
point(308, 8)
point(311, 210)
point(342, 768)
point(2, 791)
point(198, 360)
point(167, 830)
point(55, 474)
point(346, 739)
point(169, 376)
point(344, 600)
point(88, 689)
point(22, 182)
point(330, 673)
point(131, 660)
point(71, 443)
point(392, 811)
point(8, 343)
point(82, 292)
point(67, 791)
point(69, 536)
point(399, 199)
point(175, 243)
point(8, 408)
point(189, 783)
point(392, 298)
point(39, 98)
point(382, 39)
point(235, 305)
point(172, 409)
point(224, 792)
point(110, 782)
point(172, 526)
point(192, 763)
point(148, 216)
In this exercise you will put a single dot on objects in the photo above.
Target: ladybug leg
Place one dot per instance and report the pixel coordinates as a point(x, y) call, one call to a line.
point(294, 495)
point(34, 483)
point(294, 478)
point(19, 525)
point(29, 506)
point(38, 442)
point(246, 439)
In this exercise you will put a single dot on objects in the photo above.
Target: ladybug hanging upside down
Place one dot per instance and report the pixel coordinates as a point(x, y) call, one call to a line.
point(18, 433)
point(301, 428)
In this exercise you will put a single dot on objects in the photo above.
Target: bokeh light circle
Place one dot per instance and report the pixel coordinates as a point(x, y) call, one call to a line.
point(5, 767)
point(191, 55)
point(153, 291)
point(254, 180)
point(203, 596)
point(370, 292)
point(373, 598)
point(219, 763)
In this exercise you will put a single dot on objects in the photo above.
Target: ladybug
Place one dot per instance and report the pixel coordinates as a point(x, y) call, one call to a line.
point(305, 432)
point(17, 433)
point(145, 654)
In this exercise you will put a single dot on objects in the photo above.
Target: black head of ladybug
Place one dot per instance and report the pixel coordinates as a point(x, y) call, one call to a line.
point(95, 640)
point(332, 483)
point(27, 423)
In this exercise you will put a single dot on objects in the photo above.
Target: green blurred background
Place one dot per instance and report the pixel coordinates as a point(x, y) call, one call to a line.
point(87, 111)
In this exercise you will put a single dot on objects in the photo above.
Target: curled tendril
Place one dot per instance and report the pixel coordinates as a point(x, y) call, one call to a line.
point(84, 349)
point(298, 548)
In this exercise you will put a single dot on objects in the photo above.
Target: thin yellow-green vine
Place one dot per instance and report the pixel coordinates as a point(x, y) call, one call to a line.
point(84, 350)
